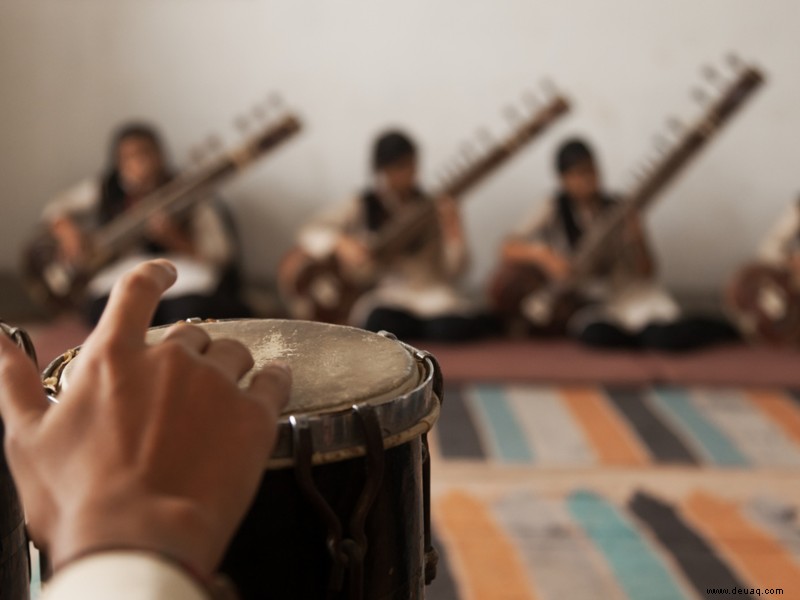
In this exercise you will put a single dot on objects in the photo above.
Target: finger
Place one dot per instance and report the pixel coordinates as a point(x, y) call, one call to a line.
point(232, 356)
point(271, 387)
point(133, 302)
point(189, 336)
point(22, 397)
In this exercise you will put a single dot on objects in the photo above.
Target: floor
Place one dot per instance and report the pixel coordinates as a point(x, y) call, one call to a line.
point(561, 472)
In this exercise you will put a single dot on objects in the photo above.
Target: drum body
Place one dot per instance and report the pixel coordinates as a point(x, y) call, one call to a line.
point(281, 549)
point(15, 573)
point(14, 561)
point(343, 508)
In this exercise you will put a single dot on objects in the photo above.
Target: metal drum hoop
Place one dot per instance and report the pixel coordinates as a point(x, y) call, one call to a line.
point(335, 435)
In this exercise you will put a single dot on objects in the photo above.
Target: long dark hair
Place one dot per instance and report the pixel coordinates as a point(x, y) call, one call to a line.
point(112, 200)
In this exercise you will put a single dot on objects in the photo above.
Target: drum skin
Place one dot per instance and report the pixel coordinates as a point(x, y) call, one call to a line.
point(280, 552)
point(14, 559)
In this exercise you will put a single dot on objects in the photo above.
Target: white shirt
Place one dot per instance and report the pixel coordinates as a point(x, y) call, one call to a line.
point(123, 576)
point(197, 274)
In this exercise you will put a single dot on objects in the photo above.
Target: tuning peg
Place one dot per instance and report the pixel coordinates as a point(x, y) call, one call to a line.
point(660, 143)
point(456, 167)
point(641, 170)
point(734, 62)
point(675, 125)
point(711, 74)
point(484, 137)
point(531, 100)
point(197, 154)
point(242, 124)
point(275, 101)
point(213, 144)
point(512, 114)
point(700, 95)
point(467, 151)
point(260, 112)
point(549, 88)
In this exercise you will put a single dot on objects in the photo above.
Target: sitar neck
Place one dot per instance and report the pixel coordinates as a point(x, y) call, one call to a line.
point(499, 153)
point(467, 177)
point(595, 243)
point(185, 190)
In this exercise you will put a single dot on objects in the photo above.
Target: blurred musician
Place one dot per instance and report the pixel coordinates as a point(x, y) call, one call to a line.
point(201, 243)
point(415, 296)
point(782, 245)
point(764, 295)
point(624, 306)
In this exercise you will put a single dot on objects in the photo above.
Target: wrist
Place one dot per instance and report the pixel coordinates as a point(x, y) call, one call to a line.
point(167, 527)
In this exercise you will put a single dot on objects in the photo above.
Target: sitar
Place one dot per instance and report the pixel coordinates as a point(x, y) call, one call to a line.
point(322, 289)
point(763, 300)
point(57, 283)
point(521, 289)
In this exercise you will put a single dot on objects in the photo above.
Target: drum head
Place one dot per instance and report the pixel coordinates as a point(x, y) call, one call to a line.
point(333, 367)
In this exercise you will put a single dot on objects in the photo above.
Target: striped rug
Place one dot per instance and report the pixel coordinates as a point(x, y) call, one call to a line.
point(610, 493)
point(583, 426)
point(595, 492)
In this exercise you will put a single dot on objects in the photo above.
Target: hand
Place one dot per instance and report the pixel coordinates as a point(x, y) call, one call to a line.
point(449, 217)
point(353, 253)
point(635, 246)
point(794, 266)
point(553, 265)
point(72, 244)
point(161, 228)
point(151, 448)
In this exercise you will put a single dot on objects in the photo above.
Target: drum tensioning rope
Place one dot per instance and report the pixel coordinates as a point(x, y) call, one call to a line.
point(346, 553)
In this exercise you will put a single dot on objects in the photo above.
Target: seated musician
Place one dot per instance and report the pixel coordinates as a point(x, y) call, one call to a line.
point(623, 307)
point(201, 243)
point(415, 296)
point(763, 296)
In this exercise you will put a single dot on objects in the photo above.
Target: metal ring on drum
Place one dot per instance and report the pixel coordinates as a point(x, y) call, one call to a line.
point(344, 507)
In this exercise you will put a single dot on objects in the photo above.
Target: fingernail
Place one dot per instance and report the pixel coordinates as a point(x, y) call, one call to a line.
point(281, 365)
point(167, 266)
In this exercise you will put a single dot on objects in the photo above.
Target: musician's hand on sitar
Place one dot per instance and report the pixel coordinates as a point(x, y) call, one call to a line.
point(163, 229)
point(554, 265)
point(794, 266)
point(354, 255)
point(636, 244)
point(449, 218)
point(73, 245)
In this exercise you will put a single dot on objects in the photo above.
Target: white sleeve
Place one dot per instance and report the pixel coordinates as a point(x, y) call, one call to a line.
point(122, 576)
point(82, 198)
point(210, 235)
point(532, 227)
point(777, 246)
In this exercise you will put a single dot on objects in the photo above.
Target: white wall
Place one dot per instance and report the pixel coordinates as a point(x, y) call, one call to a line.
point(72, 69)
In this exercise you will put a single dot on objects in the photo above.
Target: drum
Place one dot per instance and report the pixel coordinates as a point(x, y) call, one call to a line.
point(14, 557)
point(344, 507)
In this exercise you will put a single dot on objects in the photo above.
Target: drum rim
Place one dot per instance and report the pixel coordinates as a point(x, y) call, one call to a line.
point(335, 435)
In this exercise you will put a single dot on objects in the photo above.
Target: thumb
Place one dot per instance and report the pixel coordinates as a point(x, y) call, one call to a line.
point(22, 398)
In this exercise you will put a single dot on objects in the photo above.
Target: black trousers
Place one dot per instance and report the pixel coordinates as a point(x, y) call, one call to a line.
point(444, 328)
point(685, 334)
